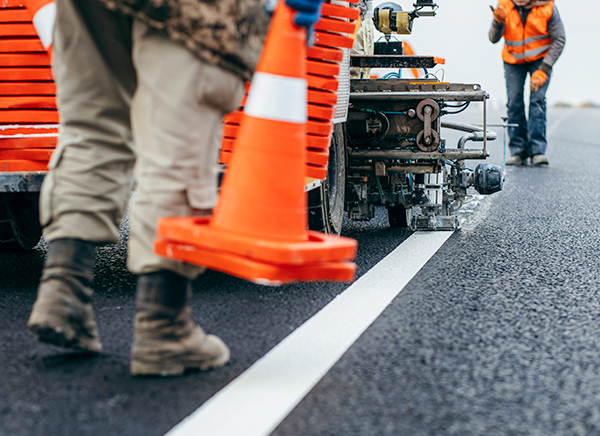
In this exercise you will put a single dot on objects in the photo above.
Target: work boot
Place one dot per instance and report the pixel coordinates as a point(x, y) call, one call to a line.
point(62, 314)
point(166, 340)
point(539, 159)
point(515, 160)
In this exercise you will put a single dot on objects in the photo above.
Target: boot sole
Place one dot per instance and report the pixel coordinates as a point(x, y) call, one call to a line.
point(56, 336)
point(171, 369)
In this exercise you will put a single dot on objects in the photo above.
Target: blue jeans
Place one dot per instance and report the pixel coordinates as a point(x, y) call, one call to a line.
point(529, 138)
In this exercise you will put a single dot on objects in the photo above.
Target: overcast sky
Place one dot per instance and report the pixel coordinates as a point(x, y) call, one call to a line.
point(459, 34)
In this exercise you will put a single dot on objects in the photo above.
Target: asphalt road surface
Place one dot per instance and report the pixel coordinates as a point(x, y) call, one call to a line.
point(497, 334)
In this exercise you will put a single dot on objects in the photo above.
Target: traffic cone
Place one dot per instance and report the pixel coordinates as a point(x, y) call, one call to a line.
point(258, 230)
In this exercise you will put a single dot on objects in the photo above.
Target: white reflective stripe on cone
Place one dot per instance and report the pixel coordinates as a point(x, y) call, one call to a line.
point(43, 21)
point(277, 98)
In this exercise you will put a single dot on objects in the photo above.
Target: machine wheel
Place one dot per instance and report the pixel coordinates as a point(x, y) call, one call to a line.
point(326, 203)
point(20, 227)
point(397, 216)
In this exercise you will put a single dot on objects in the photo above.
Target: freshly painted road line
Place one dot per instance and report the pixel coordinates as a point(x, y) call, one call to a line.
point(260, 398)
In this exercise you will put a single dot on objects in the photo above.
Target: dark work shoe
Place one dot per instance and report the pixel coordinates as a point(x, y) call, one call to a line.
point(166, 340)
point(62, 314)
point(60, 317)
point(169, 345)
point(539, 159)
point(515, 160)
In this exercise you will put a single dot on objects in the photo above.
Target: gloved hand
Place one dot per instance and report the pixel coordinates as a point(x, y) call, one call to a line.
point(499, 14)
point(308, 11)
point(538, 78)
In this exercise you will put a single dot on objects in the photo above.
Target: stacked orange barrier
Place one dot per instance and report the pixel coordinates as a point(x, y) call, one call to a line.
point(28, 114)
point(323, 66)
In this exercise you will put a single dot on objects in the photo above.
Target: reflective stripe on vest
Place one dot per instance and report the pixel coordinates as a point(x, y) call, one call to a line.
point(43, 13)
point(530, 42)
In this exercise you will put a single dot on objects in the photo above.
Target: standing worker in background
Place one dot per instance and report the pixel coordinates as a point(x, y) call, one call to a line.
point(534, 38)
point(365, 38)
point(142, 91)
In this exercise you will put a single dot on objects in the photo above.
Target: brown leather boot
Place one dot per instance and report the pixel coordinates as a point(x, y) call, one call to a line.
point(166, 339)
point(62, 314)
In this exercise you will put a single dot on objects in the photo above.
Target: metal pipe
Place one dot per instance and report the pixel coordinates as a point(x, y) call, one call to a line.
point(485, 132)
point(475, 136)
point(412, 169)
point(450, 154)
point(468, 137)
point(475, 133)
point(419, 95)
point(469, 128)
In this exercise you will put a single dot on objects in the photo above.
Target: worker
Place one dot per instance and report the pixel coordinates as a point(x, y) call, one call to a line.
point(364, 43)
point(534, 38)
point(142, 89)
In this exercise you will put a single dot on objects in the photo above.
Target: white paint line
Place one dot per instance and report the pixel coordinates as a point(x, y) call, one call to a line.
point(258, 400)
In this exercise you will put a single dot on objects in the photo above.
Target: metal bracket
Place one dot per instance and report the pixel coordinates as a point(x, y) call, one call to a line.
point(433, 223)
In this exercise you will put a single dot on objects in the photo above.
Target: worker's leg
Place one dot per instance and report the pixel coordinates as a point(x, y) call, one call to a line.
point(515, 82)
point(177, 117)
point(537, 116)
point(363, 45)
point(85, 194)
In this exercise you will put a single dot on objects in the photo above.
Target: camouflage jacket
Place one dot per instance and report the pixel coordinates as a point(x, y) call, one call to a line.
point(226, 33)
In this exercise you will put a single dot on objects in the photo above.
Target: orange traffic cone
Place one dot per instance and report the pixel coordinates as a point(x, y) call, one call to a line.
point(258, 229)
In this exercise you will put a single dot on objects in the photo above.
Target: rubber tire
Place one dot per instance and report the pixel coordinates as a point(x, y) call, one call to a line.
point(20, 227)
point(397, 217)
point(326, 203)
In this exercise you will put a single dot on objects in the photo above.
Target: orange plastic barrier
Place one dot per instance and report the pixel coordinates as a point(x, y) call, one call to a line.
point(28, 114)
point(258, 230)
point(323, 60)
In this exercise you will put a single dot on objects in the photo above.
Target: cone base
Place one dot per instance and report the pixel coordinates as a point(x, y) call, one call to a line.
point(256, 271)
point(316, 247)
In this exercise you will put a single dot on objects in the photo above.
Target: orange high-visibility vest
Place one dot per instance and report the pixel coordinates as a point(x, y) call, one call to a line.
point(43, 16)
point(530, 42)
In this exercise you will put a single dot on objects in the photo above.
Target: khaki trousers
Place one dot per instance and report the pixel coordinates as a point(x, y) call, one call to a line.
point(363, 45)
point(166, 134)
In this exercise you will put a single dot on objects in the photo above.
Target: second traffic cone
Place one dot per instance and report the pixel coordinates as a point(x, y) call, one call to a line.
point(258, 230)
